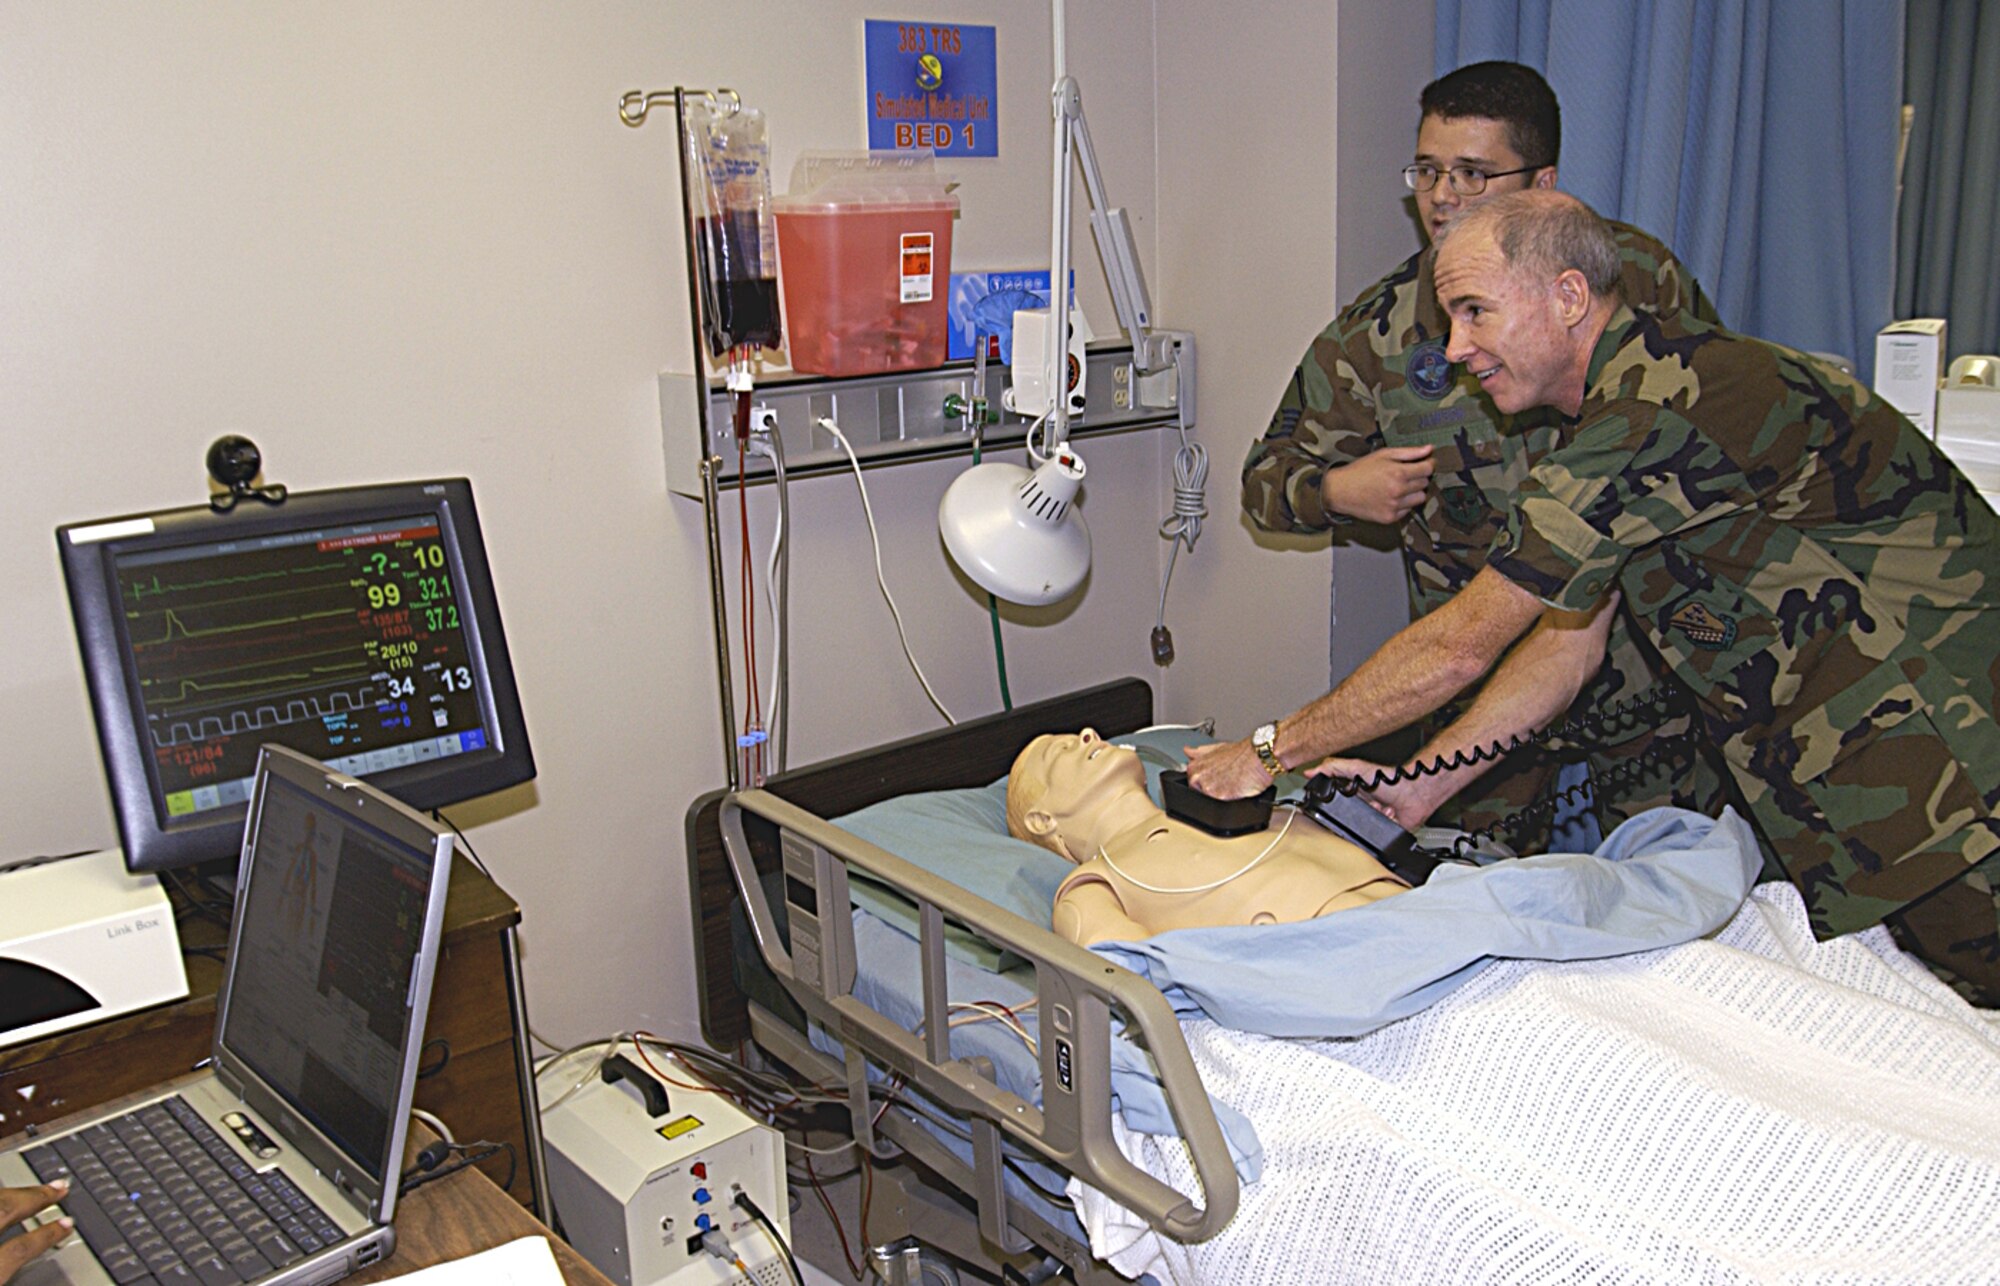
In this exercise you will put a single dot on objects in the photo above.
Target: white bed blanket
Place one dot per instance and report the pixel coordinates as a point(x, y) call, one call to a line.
point(1752, 1107)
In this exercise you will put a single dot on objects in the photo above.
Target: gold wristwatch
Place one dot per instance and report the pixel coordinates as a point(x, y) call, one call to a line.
point(1265, 739)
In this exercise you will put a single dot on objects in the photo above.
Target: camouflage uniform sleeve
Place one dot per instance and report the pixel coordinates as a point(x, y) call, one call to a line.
point(1616, 487)
point(1325, 419)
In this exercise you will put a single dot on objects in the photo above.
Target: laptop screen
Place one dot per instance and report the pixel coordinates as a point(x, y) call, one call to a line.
point(330, 927)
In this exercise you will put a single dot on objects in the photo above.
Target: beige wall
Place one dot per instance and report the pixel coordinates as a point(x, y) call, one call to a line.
point(1247, 128)
point(390, 240)
point(1286, 129)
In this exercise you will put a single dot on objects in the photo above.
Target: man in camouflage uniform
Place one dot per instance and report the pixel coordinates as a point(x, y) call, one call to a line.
point(1823, 580)
point(1377, 425)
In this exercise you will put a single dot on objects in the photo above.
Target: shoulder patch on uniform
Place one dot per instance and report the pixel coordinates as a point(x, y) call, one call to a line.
point(1430, 373)
point(1703, 628)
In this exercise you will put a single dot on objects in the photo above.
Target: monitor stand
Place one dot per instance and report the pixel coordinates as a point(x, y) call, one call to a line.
point(83, 940)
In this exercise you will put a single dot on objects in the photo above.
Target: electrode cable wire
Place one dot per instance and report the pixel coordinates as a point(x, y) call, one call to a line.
point(1291, 815)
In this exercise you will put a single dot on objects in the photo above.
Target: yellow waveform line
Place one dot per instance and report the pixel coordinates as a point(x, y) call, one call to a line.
point(303, 658)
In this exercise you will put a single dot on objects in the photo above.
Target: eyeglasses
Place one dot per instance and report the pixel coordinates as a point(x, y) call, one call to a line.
point(1465, 180)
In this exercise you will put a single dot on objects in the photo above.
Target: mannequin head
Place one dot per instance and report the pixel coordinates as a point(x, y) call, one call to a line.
point(1071, 792)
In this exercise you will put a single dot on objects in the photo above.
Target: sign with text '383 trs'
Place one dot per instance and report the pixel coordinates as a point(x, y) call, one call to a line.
point(933, 85)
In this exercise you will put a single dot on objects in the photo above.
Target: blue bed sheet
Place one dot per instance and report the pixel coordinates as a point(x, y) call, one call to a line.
point(1662, 878)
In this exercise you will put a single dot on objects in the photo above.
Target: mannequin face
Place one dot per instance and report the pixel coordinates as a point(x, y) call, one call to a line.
point(1065, 791)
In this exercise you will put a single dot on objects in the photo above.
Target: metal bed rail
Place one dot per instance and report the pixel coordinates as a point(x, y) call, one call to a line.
point(1077, 993)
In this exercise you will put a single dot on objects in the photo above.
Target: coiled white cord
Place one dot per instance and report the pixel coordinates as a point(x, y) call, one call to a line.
point(1183, 526)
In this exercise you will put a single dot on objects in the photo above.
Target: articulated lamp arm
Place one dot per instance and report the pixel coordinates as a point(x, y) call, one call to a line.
point(1153, 352)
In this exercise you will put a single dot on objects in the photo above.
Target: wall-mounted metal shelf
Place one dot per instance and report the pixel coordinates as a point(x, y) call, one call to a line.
point(890, 418)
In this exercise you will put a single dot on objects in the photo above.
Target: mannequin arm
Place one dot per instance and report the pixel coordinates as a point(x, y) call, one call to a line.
point(1088, 911)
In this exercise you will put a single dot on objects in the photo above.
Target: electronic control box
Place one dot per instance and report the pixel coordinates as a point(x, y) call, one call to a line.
point(641, 1166)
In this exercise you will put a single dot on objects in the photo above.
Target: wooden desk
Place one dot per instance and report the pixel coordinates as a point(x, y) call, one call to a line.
point(460, 1216)
point(484, 1090)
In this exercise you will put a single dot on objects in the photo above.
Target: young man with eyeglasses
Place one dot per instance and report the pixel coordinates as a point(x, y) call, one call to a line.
point(1377, 425)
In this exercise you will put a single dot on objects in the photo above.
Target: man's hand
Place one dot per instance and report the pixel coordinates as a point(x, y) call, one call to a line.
point(1382, 486)
point(1406, 803)
point(1226, 769)
point(17, 1204)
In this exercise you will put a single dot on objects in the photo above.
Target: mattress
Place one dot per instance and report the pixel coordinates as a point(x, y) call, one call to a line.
point(1753, 1106)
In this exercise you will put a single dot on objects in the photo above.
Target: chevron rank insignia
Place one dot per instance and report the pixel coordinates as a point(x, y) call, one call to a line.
point(1703, 627)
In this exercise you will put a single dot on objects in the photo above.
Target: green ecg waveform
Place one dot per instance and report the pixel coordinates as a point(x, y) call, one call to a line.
point(186, 686)
point(172, 619)
point(139, 591)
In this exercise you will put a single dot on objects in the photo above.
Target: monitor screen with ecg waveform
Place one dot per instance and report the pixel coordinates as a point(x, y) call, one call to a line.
point(357, 626)
point(349, 638)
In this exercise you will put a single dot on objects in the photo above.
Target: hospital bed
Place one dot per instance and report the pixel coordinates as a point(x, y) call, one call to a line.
point(1749, 1105)
point(958, 1202)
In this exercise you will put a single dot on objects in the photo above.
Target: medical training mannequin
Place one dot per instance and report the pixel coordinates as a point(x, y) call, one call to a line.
point(1141, 872)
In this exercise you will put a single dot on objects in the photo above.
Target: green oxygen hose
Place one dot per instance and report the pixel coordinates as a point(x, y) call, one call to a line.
point(993, 612)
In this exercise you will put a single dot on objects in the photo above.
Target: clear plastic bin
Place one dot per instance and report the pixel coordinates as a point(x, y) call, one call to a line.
point(864, 262)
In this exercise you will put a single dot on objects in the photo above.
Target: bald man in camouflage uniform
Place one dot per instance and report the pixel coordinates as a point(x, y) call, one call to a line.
point(1823, 580)
point(1376, 383)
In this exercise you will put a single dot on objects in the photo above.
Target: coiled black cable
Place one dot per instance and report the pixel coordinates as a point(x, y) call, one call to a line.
point(1655, 706)
point(1658, 703)
point(1681, 748)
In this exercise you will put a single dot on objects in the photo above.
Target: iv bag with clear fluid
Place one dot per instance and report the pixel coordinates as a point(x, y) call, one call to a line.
point(728, 160)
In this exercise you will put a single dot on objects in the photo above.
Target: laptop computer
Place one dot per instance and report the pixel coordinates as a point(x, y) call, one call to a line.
point(279, 1166)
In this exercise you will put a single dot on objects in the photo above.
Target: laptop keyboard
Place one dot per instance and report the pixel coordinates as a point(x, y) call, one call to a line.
point(160, 1197)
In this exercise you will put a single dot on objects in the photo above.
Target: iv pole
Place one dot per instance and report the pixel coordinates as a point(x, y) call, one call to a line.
point(632, 110)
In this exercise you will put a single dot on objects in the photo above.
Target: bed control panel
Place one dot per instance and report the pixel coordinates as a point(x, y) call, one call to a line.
point(819, 912)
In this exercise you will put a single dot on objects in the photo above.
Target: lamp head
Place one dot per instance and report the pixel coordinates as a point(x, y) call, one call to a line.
point(1016, 533)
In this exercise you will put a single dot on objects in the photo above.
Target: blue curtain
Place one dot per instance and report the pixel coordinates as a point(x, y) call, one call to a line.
point(1948, 248)
point(1755, 137)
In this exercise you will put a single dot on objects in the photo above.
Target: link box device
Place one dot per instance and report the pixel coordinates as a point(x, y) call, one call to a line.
point(81, 940)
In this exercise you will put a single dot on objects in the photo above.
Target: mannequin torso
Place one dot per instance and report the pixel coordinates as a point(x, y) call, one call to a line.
point(1141, 872)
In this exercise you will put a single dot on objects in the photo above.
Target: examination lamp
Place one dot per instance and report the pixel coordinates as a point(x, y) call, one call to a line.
point(1017, 533)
